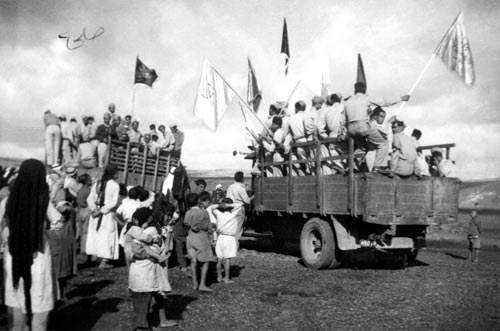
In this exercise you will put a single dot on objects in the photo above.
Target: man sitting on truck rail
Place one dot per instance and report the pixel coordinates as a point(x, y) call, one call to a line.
point(445, 167)
point(297, 131)
point(273, 147)
point(404, 153)
point(377, 119)
point(358, 126)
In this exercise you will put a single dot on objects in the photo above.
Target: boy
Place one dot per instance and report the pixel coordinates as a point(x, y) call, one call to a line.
point(226, 247)
point(198, 242)
point(473, 236)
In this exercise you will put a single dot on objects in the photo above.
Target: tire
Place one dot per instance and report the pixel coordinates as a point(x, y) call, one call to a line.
point(317, 244)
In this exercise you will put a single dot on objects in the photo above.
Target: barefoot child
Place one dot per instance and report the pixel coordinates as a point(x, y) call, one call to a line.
point(198, 241)
point(226, 247)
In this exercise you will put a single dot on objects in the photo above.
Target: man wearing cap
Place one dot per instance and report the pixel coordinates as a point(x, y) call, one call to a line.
point(179, 140)
point(102, 135)
point(70, 182)
point(52, 137)
point(357, 110)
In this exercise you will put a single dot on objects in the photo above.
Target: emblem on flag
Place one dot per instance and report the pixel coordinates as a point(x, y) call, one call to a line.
point(144, 75)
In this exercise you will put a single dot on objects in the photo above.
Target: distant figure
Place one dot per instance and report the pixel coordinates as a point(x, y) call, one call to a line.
point(473, 235)
point(112, 111)
point(52, 137)
point(218, 194)
point(102, 135)
point(179, 140)
point(445, 167)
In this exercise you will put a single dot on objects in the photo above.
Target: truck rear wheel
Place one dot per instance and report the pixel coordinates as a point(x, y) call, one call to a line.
point(317, 244)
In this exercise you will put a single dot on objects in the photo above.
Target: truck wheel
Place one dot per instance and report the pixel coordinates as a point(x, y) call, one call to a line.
point(317, 244)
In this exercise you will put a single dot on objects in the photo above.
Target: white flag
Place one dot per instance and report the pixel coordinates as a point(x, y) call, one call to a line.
point(454, 50)
point(214, 97)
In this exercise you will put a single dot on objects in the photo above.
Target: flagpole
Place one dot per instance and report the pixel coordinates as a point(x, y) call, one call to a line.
point(290, 96)
point(419, 78)
point(236, 93)
point(133, 94)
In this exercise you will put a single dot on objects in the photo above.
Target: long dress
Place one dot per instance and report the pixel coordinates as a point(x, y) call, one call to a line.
point(103, 243)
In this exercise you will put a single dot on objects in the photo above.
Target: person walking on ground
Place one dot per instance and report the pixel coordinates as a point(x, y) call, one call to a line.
point(473, 235)
point(30, 292)
point(102, 237)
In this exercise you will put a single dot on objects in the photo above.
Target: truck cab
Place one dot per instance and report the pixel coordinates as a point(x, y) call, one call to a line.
point(332, 215)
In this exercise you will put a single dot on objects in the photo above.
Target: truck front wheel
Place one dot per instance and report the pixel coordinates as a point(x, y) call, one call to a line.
point(317, 244)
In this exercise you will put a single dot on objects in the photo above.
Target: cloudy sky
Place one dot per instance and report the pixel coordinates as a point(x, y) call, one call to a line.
point(395, 39)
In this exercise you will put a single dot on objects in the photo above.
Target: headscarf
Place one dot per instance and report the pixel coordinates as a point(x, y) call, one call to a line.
point(26, 212)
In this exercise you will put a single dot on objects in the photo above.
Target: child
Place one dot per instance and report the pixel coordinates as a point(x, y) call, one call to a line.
point(226, 247)
point(198, 242)
point(127, 208)
point(136, 239)
point(473, 236)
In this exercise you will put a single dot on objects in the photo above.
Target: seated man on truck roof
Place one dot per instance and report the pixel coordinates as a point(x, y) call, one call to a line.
point(357, 116)
point(404, 153)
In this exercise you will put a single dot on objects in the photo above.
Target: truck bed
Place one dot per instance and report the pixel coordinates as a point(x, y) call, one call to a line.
point(375, 198)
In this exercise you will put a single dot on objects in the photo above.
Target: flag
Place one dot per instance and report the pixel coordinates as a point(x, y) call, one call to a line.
point(285, 50)
point(213, 98)
point(144, 75)
point(454, 50)
point(254, 95)
point(361, 78)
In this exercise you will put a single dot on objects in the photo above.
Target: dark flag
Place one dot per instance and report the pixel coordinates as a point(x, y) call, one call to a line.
point(285, 50)
point(144, 75)
point(253, 93)
point(361, 71)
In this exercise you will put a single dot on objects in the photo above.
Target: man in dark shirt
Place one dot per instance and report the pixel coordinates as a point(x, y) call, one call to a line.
point(102, 136)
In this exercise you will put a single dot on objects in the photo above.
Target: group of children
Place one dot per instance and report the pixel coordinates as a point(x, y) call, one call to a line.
point(208, 223)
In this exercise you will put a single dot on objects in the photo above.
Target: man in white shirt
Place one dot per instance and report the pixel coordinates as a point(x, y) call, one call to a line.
point(446, 168)
point(297, 130)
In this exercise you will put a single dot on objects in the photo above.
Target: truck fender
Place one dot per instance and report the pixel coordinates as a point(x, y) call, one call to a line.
point(345, 241)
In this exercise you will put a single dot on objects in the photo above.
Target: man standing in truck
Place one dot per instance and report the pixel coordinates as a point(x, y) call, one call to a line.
point(366, 136)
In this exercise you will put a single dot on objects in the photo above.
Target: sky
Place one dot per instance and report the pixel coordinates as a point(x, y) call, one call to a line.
point(394, 38)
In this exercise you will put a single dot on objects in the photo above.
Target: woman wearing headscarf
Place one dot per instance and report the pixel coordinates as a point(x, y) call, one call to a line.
point(102, 236)
point(29, 283)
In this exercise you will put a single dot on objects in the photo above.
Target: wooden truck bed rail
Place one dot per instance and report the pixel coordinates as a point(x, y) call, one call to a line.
point(374, 197)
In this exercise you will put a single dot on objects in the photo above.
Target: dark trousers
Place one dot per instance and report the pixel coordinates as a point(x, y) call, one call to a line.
point(180, 250)
point(141, 302)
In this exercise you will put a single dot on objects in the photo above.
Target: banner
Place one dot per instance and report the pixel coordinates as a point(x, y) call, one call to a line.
point(144, 75)
point(254, 96)
point(285, 50)
point(213, 98)
point(454, 50)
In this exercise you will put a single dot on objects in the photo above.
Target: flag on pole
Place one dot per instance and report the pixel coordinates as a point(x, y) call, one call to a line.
point(454, 50)
point(144, 75)
point(361, 78)
point(213, 98)
point(254, 95)
point(285, 50)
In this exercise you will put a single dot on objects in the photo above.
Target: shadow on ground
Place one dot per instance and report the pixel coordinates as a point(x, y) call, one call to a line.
point(82, 314)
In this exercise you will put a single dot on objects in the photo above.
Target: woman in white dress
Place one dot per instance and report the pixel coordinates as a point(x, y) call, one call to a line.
point(102, 236)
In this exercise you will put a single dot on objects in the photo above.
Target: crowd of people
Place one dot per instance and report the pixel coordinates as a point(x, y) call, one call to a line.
point(87, 144)
point(360, 117)
point(52, 217)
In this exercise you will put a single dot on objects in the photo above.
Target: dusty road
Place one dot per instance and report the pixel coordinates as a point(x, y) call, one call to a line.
point(442, 291)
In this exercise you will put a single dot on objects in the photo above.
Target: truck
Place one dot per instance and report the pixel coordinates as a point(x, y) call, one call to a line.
point(336, 216)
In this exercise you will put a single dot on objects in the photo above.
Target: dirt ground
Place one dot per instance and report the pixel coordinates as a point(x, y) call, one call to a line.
point(441, 291)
